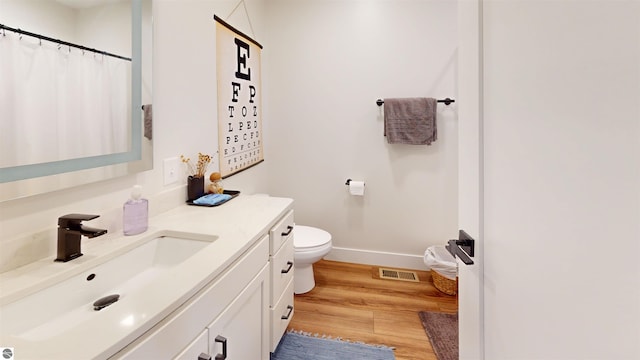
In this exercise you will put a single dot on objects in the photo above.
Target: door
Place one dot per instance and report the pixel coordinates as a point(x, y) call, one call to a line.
point(561, 179)
point(470, 277)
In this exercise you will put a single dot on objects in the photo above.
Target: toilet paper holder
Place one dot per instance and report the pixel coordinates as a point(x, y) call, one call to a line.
point(348, 182)
point(356, 187)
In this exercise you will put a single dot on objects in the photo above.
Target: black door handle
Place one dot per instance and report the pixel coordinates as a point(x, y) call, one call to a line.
point(463, 247)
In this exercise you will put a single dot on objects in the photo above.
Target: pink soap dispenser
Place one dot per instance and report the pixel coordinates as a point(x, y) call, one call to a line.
point(135, 213)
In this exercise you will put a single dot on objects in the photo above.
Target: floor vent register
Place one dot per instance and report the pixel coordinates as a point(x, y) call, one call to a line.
point(394, 274)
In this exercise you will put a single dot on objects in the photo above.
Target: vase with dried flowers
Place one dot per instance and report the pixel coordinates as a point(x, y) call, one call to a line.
point(195, 180)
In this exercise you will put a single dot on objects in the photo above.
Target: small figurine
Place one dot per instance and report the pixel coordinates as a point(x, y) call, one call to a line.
point(216, 183)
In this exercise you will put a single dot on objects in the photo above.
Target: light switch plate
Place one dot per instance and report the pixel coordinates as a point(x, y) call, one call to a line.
point(171, 170)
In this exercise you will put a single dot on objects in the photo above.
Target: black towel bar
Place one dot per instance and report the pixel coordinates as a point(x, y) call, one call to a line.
point(446, 101)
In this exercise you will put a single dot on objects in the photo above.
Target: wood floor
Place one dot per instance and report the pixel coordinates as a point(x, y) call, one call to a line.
point(352, 302)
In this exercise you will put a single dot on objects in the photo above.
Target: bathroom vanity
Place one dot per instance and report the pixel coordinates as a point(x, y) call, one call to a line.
point(219, 284)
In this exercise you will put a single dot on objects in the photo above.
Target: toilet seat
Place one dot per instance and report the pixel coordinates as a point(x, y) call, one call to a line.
point(308, 238)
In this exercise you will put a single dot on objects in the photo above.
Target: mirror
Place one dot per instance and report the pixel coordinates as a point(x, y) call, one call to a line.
point(78, 149)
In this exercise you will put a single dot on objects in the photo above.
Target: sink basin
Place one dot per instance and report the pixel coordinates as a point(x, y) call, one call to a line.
point(68, 303)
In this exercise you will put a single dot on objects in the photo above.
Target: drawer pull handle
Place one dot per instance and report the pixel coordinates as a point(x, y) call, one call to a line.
point(222, 340)
point(289, 229)
point(290, 308)
point(204, 356)
point(289, 266)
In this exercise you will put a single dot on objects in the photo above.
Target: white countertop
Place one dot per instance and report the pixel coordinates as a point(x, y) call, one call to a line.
point(238, 224)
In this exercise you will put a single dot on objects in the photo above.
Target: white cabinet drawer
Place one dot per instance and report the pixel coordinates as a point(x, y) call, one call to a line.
point(281, 270)
point(281, 232)
point(281, 315)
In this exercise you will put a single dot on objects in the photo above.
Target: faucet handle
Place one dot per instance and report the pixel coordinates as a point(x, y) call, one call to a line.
point(74, 220)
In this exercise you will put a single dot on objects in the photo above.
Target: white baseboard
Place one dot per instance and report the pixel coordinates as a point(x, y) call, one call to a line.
point(378, 258)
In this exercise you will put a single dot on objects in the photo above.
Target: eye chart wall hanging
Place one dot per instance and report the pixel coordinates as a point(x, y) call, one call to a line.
point(239, 100)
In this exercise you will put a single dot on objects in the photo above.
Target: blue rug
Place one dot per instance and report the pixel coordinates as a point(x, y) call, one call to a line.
point(296, 346)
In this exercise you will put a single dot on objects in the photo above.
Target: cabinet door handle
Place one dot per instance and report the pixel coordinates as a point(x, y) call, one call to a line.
point(288, 313)
point(223, 340)
point(204, 356)
point(289, 266)
point(289, 229)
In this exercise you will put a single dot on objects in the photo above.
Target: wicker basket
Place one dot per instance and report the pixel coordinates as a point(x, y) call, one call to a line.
point(447, 286)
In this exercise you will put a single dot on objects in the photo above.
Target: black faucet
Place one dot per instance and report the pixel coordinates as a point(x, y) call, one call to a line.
point(70, 231)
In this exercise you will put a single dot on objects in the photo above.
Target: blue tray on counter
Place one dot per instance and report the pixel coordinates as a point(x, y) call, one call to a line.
point(233, 194)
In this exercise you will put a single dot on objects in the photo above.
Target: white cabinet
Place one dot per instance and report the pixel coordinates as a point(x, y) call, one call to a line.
point(244, 286)
point(240, 332)
point(240, 315)
point(281, 253)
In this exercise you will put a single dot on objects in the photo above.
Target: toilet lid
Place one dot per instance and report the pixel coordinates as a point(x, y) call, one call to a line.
point(308, 237)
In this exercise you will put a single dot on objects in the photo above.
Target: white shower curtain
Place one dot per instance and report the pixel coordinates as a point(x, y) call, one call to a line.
point(59, 103)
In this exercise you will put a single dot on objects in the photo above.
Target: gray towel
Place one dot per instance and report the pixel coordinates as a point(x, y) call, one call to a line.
point(410, 121)
point(148, 120)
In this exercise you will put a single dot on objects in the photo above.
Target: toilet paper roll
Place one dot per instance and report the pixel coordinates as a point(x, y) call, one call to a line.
point(356, 188)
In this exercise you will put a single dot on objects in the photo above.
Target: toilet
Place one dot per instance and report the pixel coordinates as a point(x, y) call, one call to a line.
point(310, 245)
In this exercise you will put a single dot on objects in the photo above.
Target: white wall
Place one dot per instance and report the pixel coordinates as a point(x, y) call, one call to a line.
point(185, 88)
point(40, 17)
point(328, 63)
point(106, 27)
point(185, 121)
point(562, 179)
point(325, 64)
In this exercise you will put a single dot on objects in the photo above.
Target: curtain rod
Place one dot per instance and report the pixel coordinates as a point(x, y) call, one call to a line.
point(446, 101)
point(65, 43)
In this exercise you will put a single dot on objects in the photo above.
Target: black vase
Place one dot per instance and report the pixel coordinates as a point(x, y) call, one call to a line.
point(195, 187)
